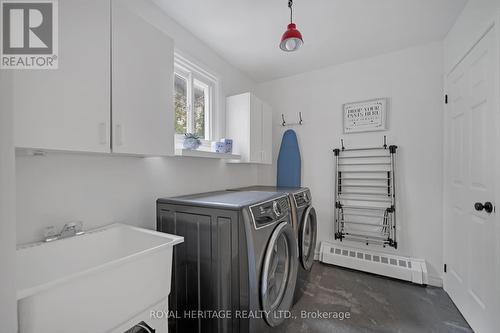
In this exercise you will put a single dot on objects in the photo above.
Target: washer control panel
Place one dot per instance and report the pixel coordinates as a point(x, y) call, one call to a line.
point(270, 211)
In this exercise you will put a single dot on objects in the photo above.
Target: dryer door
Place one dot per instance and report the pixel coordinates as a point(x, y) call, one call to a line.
point(307, 238)
point(279, 274)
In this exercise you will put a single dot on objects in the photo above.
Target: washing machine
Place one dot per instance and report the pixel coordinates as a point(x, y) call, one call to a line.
point(305, 225)
point(237, 268)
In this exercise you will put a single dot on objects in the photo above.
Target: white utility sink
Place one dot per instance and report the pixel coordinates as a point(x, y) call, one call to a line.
point(96, 282)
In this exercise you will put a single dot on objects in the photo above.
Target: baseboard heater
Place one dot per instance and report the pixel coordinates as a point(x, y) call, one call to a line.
point(394, 266)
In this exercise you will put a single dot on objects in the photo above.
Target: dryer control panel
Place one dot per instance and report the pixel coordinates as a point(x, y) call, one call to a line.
point(302, 198)
point(270, 211)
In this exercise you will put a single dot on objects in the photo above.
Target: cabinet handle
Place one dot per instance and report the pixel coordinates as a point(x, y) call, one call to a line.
point(119, 135)
point(103, 133)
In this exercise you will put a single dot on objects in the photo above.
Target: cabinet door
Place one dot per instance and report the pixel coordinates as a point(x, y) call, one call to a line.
point(238, 124)
point(267, 134)
point(68, 108)
point(255, 130)
point(142, 85)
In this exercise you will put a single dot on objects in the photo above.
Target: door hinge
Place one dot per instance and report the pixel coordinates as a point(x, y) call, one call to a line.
point(445, 268)
point(446, 99)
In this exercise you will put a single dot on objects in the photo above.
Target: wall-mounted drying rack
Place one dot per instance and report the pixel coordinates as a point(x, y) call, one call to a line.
point(365, 194)
point(285, 124)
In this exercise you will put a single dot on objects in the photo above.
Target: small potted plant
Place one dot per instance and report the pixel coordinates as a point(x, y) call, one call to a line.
point(191, 141)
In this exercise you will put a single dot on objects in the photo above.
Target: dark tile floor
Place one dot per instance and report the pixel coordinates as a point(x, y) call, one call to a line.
point(375, 304)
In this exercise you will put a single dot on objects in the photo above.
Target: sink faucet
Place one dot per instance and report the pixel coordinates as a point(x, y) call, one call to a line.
point(69, 230)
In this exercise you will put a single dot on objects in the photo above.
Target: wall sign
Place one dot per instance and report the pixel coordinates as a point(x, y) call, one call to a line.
point(365, 116)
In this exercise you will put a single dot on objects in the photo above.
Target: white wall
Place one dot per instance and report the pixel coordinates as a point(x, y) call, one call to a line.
point(474, 20)
point(412, 79)
point(97, 190)
point(8, 304)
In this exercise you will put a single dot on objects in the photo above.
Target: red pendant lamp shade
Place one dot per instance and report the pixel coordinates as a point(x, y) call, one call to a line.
point(292, 38)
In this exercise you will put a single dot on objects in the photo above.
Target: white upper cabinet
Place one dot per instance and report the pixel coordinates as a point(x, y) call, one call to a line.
point(113, 88)
point(249, 124)
point(255, 130)
point(267, 134)
point(142, 85)
point(69, 108)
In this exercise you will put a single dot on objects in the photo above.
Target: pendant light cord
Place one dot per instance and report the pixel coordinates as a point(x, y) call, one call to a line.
point(290, 4)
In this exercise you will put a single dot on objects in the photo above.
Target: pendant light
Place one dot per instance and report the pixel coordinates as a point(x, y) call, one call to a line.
point(292, 38)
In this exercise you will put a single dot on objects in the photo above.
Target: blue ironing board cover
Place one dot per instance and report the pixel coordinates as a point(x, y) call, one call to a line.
point(289, 162)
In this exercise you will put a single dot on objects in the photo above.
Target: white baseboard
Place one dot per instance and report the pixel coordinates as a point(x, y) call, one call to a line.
point(435, 281)
point(390, 265)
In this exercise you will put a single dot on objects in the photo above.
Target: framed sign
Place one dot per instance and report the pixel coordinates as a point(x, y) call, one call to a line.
point(365, 116)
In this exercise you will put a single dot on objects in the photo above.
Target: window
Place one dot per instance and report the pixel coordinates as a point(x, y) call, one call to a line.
point(194, 99)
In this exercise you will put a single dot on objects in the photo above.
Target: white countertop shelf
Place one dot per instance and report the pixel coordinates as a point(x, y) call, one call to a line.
point(205, 154)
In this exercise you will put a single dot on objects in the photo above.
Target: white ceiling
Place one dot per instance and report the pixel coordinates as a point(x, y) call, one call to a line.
point(247, 32)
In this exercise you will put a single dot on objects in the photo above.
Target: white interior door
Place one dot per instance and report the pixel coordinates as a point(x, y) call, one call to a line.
point(471, 229)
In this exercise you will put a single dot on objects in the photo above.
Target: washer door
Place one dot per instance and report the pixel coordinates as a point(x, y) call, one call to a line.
point(279, 274)
point(307, 238)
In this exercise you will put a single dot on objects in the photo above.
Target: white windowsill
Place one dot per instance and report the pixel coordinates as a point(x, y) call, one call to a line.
point(205, 154)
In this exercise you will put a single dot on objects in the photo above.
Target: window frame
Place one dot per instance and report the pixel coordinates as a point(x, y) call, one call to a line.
point(196, 75)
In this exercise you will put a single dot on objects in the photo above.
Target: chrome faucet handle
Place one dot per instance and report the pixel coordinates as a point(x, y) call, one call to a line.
point(72, 229)
point(79, 228)
point(50, 233)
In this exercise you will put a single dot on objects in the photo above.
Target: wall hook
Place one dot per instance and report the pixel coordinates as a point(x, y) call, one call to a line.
point(284, 123)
